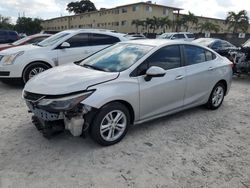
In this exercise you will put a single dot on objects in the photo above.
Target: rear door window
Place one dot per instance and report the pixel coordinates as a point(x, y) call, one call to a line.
point(194, 54)
point(101, 39)
point(190, 35)
point(216, 45)
point(79, 40)
point(179, 36)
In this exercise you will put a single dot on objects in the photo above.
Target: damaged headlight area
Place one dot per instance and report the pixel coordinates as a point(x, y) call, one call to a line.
point(65, 103)
point(64, 111)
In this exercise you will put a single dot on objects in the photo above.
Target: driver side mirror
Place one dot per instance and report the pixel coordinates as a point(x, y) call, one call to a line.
point(65, 45)
point(154, 71)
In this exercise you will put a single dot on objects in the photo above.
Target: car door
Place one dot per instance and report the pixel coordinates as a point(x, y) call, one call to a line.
point(162, 94)
point(79, 49)
point(200, 66)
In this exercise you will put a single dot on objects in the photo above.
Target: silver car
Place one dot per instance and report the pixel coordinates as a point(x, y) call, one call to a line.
point(128, 83)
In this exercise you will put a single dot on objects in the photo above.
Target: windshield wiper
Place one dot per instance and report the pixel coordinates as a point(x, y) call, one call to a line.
point(93, 67)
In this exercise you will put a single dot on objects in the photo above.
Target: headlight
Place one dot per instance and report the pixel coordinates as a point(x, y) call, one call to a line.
point(9, 59)
point(64, 103)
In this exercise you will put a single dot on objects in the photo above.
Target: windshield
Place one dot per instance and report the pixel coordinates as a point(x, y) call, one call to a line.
point(18, 42)
point(204, 42)
point(116, 58)
point(53, 39)
point(165, 36)
point(247, 43)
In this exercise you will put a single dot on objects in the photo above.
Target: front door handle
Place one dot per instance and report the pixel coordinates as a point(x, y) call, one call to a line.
point(180, 77)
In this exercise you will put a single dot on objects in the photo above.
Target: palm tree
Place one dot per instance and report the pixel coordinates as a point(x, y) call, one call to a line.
point(155, 23)
point(237, 21)
point(189, 19)
point(137, 23)
point(165, 23)
point(177, 24)
point(148, 24)
point(208, 26)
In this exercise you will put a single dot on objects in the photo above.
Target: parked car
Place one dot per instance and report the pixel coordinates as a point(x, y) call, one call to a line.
point(184, 36)
point(241, 59)
point(220, 46)
point(8, 36)
point(32, 39)
point(68, 46)
point(128, 83)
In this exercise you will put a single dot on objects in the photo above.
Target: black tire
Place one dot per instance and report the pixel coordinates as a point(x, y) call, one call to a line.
point(32, 66)
point(210, 104)
point(95, 129)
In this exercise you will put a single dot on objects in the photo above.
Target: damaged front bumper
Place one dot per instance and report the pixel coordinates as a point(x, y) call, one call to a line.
point(50, 123)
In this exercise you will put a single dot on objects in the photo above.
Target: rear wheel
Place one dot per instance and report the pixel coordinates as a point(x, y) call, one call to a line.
point(33, 69)
point(217, 96)
point(111, 124)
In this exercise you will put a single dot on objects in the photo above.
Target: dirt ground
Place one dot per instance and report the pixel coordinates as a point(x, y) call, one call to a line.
point(194, 148)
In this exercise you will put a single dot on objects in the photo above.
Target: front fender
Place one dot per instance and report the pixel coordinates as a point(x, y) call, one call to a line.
point(116, 90)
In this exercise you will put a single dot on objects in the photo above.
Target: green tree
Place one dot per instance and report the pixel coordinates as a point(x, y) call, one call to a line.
point(189, 19)
point(5, 23)
point(81, 6)
point(237, 21)
point(165, 23)
point(177, 24)
point(137, 23)
point(28, 25)
point(208, 26)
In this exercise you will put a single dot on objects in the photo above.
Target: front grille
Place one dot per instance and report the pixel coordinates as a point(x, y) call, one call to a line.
point(32, 96)
point(4, 73)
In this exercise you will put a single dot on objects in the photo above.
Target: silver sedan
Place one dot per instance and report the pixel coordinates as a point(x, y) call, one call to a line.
point(128, 83)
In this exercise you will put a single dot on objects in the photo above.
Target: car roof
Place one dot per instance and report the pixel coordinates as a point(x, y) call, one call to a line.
point(39, 35)
point(156, 42)
point(177, 33)
point(100, 31)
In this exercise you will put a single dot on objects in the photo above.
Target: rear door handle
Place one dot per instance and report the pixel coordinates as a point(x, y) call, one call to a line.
point(180, 77)
point(210, 68)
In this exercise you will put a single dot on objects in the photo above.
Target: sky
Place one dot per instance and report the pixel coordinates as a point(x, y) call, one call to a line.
point(46, 9)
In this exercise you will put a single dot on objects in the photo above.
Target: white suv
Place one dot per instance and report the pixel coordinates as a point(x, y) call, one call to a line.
point(67, 46)
point(183, 36)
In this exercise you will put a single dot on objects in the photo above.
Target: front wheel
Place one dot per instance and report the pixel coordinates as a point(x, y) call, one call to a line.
point(111, 124)
point(216, 97)
point(33, 69)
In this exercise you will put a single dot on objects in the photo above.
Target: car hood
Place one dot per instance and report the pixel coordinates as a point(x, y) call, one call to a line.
point(67, 79)
point(19, 49)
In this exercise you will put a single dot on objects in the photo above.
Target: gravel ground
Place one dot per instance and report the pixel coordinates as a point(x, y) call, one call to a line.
point(194, 148)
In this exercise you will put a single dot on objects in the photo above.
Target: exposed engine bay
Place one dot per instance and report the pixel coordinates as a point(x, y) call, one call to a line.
point(241, 59)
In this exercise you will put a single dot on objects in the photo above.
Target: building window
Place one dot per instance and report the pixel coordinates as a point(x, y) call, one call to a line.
point(165, 11)
point(115, 23)
point(116, 11)
point(135, 8)
point(148, 8)
point(124, 10)
point(124, 22)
